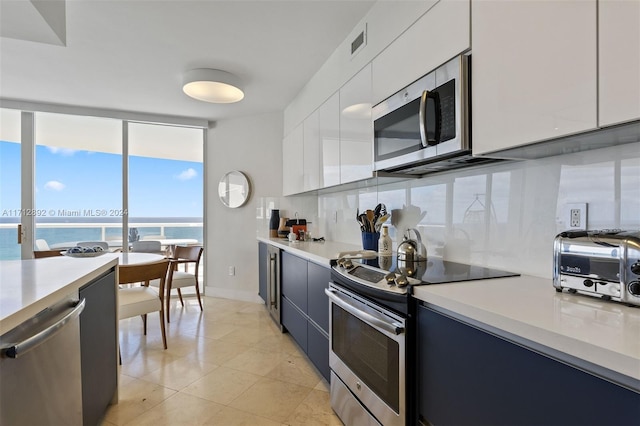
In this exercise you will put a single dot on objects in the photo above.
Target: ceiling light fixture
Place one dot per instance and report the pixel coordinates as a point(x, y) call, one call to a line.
point(211, 85)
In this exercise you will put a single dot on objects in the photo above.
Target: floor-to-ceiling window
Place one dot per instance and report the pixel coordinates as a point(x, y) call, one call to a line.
point(166, 182)
point(78, 180)
point(84, 189)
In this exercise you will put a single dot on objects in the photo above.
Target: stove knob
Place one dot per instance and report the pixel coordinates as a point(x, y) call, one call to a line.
point(402, 281)
point(635, 267)
point(347, 264)
point(634, 288)
point(390, 278)
point(588, 283)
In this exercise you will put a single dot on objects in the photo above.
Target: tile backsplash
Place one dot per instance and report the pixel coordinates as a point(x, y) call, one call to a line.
point(503, 215)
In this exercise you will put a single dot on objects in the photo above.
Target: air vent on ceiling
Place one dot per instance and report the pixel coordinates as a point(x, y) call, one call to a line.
point(359, 42)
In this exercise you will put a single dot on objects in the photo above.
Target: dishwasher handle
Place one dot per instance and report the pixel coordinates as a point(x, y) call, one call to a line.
point(19, 349)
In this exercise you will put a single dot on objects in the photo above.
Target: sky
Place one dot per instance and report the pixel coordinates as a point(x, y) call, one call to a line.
point(71, 180)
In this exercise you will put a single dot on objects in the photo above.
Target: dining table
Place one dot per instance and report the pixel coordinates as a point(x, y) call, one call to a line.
point(138, 258)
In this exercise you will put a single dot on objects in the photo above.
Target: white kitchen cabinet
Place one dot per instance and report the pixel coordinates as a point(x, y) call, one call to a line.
point(439, 35)
point(618, 61)
point(356, 128)
point(533, 71)
point(311, 152)
point(292, 162)
point(329, 129)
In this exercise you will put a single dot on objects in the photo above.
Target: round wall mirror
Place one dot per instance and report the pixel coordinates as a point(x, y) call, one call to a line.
point(234, 189)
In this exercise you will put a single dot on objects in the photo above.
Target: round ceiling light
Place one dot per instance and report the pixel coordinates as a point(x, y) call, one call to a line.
point(213, 86)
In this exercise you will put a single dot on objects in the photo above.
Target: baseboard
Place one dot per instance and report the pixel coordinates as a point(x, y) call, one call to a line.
point(225, 293)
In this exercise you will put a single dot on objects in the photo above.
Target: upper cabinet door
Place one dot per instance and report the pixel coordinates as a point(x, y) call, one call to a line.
point(533, 69)
point(292, 163)
point(329, 117)
point(439, 35)
point(311, 152)
point(619, 61)
point(356, 128)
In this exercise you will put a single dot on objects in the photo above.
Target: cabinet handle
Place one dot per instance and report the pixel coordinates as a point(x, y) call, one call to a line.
point(273, 283)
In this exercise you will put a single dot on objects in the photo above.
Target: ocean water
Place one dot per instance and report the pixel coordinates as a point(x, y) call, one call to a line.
point(10, 250)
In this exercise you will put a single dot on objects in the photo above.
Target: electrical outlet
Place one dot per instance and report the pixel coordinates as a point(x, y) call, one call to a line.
point(232, 270)
point(576, 215)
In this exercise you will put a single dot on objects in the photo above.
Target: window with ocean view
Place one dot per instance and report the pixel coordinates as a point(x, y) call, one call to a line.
point(78, 183)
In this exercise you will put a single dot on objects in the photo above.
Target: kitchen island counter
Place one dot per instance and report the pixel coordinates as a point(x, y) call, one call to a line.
point(528, 311)
point(29, 286)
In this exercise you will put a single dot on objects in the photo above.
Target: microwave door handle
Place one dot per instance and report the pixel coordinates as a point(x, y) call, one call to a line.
point(423, 118)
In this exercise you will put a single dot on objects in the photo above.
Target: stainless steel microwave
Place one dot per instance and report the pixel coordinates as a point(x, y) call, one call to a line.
point(424, 127)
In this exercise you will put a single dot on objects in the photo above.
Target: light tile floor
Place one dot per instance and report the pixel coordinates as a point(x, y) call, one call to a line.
point(228, 365)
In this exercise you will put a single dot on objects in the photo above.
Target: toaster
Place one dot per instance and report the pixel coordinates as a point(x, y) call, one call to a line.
point(604, 264)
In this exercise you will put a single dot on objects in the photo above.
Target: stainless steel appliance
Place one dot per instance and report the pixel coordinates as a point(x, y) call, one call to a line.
point(372, 337)
point(603, 264)
point(40, 368)
point(273, 283)
point(424, 128)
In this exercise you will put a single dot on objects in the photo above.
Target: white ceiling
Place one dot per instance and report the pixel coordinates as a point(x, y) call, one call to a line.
point(129, 55)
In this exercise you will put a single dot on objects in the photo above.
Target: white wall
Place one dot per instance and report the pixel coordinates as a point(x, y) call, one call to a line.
point(519, 208)
point(252, 145)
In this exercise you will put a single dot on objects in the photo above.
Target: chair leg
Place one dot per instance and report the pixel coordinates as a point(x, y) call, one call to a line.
point(144, 321)
point(198, 294)
point(180, 294)
point(164, 334)
point(168, 297)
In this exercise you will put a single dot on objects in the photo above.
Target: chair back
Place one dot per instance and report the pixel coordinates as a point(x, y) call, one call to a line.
point(39, 254)
point(146, 246)
point(103, 244)
point(144, 272)
point(42, 245)
point(190, 253)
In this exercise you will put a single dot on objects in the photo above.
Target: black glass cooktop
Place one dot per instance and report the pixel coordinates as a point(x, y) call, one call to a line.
point(438, 271)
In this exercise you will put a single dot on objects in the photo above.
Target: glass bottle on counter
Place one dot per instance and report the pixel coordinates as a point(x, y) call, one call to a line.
point(384, 243)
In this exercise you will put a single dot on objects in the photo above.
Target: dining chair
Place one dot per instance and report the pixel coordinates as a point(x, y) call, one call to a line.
point(146, 246)
point(39, 254)
point(141, 300)
point(42, 244)
point(103, 244)
point(177, 279)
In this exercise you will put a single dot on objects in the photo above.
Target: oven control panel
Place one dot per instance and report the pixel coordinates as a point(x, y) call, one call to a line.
point(374, 277)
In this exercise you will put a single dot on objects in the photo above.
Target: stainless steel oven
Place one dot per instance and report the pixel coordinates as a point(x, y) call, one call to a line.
point(425, 125)
point(367, 359)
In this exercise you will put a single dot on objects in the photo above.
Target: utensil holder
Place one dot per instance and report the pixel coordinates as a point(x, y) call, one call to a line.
point(370, 240)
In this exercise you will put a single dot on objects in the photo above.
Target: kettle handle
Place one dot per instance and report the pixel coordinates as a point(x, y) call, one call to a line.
point(415, 231)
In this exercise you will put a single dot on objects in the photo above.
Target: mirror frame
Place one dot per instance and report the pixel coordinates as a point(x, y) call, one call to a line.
point(224, 191)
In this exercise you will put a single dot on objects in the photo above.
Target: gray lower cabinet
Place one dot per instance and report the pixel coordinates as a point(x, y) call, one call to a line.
point(98, 347)
point(469, 376)
point(305, 307)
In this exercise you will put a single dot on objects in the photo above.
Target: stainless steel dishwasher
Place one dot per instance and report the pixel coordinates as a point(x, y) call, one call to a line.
point(40, 378)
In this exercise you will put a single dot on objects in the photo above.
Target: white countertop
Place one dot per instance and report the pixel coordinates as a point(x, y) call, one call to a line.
point(600, 332)
point(318, 252)
point(603, 333)
point(29, 286)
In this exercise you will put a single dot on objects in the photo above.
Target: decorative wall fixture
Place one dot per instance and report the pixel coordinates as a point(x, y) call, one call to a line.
point(234, 189)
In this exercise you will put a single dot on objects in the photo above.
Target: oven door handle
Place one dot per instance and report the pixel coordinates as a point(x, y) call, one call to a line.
point(388, 326)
